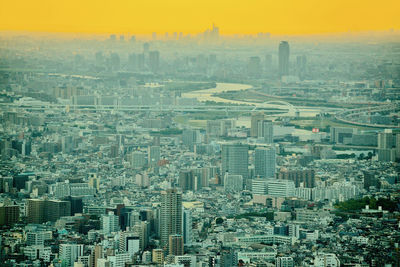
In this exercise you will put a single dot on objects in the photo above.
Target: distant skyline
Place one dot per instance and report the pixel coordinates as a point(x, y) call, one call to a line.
point(290, 17)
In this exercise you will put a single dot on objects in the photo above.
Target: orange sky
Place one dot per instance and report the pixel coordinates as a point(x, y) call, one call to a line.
point(192, 16)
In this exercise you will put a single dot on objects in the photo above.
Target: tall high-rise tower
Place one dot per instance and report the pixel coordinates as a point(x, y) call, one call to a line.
point(283, 58)
point(255, 118)
point(187, 227)
point(265, 161)
point(153, 156)
point(266, 130)
point(170, 215)
point(235, 159)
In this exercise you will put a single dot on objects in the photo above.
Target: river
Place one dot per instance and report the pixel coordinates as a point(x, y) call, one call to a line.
point(208, 95)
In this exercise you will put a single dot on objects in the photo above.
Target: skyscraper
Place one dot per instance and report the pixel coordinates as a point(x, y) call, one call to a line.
point(255, 118)
point(190, 137)
point(188, 180)
point(266, 130)
point(301, 62)
point(170, 215)
point(386, 139)
point(235, 159)
point(386, 146)
point(138, 159)
point(153, 156)
point(187, 227)
point(283, 58)
point(265, 161)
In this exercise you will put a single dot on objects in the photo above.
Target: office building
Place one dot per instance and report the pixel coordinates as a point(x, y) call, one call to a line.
point(233, 182)
point(283, 58)
point(190, 137)
point(158, 256)
point(96, 254)
point(371, 180)
point(398, 146)
point(189, 180)
point(301, 63)
point(154, 156)
point(187, 227)
point(284, 262)
point(387, 146)
point(259, 186)
point(265, 162)
point(119, 259)
point(280, 188)
point(142, 230)
point(36, 238)
point(386, 139)
point(266, 131)
point(38, 253)
point(67, 144)
point(301, 177)
point(203, 176)
point(217, 128)
point(170, 215)
point(340, 135)
point(41, 210)
point(387, 154)
point(69, 253)
point(129, 242)
point(9, 214)
point(142, 180)
point(255, 118)
point(235, 159)
point(109, 223)
point(175, 244)
point(138, 160)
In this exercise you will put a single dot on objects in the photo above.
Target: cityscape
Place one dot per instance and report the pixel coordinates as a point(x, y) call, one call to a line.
point(203, 149)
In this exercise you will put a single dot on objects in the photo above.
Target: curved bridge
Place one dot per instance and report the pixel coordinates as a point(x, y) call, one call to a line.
point(292, 110)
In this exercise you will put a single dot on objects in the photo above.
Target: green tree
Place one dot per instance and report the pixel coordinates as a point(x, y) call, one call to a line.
point(219, 220)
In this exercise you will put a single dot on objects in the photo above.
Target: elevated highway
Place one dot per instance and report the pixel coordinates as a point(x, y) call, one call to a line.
point(352, 116)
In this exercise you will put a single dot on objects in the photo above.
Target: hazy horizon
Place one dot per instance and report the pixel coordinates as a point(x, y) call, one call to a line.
point(275, 17)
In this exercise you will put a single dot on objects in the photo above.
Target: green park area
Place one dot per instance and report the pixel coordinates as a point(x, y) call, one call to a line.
point(356, 205)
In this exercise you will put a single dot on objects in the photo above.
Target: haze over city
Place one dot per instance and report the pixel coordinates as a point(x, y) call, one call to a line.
point(200, 133)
